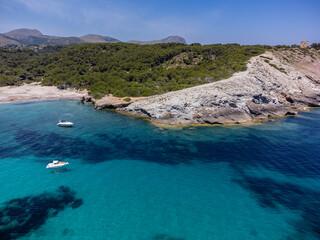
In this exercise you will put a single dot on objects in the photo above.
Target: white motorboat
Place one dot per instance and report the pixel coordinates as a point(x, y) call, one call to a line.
point(63, 123)
point(57, 164)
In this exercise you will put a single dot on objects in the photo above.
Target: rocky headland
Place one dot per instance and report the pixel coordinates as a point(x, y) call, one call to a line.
point(275, 84)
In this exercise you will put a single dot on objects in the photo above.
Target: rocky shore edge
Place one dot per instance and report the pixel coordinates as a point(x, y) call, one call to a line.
point(275, 84)
point(110, 102)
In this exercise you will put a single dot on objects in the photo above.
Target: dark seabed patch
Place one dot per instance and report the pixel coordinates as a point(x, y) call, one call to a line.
point(304, 201)
point(252, 150)
point(22, 216)
point(6, 152)
point(165, 237)
point(67, 231)
point(56, 145)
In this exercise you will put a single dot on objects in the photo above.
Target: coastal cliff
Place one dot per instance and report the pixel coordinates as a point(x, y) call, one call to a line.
point(276, 83)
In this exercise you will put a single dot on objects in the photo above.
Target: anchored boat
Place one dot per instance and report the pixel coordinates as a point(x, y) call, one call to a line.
point(63, 123)
point(57, 164)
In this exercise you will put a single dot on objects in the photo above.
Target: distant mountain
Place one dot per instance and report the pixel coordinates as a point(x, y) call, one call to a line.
point(20, 34)
point(35, 37)
point(92, 38)
point(4, 41)
point(170, 39)
point(24, 36)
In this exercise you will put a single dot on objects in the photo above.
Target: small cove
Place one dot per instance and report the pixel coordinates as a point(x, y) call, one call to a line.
point(128, 179)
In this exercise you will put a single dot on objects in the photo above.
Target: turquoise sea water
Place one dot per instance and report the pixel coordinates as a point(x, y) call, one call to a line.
point(130, 180)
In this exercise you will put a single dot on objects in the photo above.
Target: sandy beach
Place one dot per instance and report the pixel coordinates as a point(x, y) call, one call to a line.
point(35, 92)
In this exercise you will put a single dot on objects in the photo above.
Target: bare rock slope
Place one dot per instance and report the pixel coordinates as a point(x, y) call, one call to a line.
point(275, 83)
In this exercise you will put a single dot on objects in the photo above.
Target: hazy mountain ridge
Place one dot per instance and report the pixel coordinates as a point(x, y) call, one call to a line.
point(93, 38)
point(176, 39)
point(35, 37)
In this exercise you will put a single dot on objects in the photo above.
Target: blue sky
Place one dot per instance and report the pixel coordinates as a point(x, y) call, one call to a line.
point(216, 21)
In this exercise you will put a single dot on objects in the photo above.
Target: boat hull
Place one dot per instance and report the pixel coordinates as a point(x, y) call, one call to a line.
point(64, 125)
point(51, 165)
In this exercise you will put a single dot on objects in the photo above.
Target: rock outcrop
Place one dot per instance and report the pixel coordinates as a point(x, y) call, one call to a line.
point(277, 83)
point(110, 102)
point(87, 98)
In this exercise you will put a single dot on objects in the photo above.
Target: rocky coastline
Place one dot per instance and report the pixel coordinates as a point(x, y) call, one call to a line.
point(275, 84)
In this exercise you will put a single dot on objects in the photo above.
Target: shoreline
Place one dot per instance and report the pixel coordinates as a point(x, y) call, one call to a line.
point(256, 121)
point(37, 100)
point(35, 92)
point(78, 95)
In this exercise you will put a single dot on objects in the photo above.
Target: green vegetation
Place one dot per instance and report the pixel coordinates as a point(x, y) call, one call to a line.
point(316, 46)
point(127, 99)
point(282, 47)
point(269, 58)
point(125, 69)
point(286, 59)
point(276, 67)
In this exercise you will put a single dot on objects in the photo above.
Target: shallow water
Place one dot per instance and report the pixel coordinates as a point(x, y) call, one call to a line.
point(130, 180)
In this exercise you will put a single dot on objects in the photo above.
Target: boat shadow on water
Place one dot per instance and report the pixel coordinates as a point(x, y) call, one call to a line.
point(60, 170)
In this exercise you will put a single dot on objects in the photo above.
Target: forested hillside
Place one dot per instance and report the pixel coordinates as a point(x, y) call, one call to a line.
point(125, 69)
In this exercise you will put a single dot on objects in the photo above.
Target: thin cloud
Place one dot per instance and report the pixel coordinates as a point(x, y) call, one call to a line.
point(45, 7)
point(107, 15)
